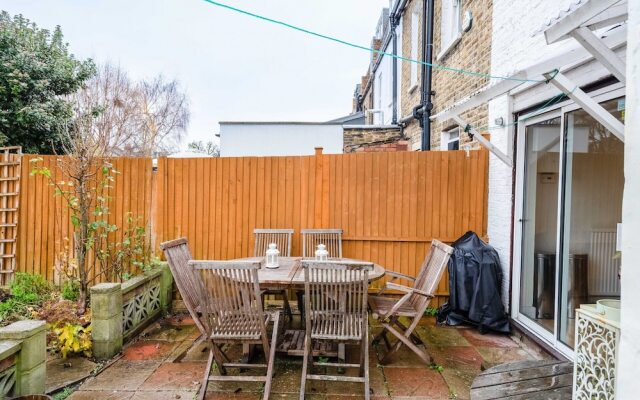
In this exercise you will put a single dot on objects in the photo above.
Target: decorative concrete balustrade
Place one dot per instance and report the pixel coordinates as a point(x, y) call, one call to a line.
point(119, 311)
point(23, 355)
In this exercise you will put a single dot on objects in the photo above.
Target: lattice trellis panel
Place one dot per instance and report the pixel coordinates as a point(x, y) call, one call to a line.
point(10, 160)
point(140, 305)
point(596, 357)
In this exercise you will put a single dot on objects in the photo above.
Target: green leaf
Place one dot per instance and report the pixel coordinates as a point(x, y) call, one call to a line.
point(37, 72)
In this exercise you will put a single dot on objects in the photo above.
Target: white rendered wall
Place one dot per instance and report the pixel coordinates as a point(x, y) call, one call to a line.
point(515, 45)
point(628, 383)
point(244, 140)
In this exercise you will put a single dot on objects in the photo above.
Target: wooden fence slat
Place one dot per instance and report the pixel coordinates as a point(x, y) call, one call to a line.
point(389, 205)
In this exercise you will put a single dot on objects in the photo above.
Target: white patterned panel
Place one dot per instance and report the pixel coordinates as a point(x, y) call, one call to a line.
point(143, 305)
point(596, 352)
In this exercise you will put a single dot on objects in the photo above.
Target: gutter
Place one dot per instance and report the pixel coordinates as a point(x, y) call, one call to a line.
point(394, 69)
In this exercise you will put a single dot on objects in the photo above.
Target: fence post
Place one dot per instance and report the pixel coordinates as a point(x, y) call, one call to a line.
point(31, 366)
point(106, 320)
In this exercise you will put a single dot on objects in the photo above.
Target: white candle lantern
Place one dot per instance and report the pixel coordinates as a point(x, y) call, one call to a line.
point(272, 256)
point(321, 253)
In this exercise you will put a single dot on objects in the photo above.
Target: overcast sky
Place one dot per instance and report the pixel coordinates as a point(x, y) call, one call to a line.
point(233, 67)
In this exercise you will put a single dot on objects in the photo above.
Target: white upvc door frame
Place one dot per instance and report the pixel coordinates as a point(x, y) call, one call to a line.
point(537, 329)
point(561, 110)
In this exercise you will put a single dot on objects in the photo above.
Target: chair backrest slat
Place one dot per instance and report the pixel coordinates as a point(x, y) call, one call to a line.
point(230, 296)
point(336, 288)
point(281, 237)
point(430, 274)
point(332, 238)
point(187, 280)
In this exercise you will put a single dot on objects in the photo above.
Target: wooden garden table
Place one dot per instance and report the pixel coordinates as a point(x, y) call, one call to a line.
point(290, 275)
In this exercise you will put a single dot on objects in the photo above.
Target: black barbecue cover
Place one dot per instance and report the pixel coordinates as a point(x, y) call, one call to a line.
point(475, 282)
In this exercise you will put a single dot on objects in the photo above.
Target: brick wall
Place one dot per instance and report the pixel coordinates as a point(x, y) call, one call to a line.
point(372, 138)
point(401, 145)
point(473, 52)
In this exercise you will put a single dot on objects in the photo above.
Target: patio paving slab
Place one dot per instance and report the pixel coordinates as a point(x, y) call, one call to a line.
point(61, 373)
point(175, 376)
point(234, 396)
point(289, 396)
point(148, 350)
point(165, 395)
point(442, 336)
point(488, 339)
point(101, 394)
point(353, 397)
point(170, 372)
point(287, 379)
point(417, 382)
point(457, 357)
point(497, 355)
point(377, 384)
point(403, 358)
point(167, 330)
point(459, 382)
point(123, 375)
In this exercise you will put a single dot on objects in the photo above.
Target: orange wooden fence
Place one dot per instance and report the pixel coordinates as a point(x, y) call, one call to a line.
point(390, 205)
point(44, 225)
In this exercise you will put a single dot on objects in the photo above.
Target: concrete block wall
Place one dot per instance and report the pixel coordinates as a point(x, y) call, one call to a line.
point(110, 309)
point(24, 344)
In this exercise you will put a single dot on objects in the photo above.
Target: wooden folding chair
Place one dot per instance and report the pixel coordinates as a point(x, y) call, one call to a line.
point(282, 238)
point(336, 310)
point(311, 238)
point(412, 305)
point(232, 305)
point(187, 280)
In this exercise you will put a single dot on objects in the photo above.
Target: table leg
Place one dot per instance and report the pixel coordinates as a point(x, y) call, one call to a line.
point(341, 357)
point(246, 353)
point(300, 297)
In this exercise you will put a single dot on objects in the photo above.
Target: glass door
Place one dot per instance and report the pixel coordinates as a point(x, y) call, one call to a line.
point(539, 222)
point(569, 186)
point(592, 207)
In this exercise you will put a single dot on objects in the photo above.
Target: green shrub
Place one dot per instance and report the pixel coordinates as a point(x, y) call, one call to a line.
point(27, 291)
point(71, 290)
point(63, 394)
point(8, 308)
point(30, 288)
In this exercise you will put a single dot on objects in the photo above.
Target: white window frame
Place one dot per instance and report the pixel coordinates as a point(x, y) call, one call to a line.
point(415, 42)
point(445, 138)
point(450, 25)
